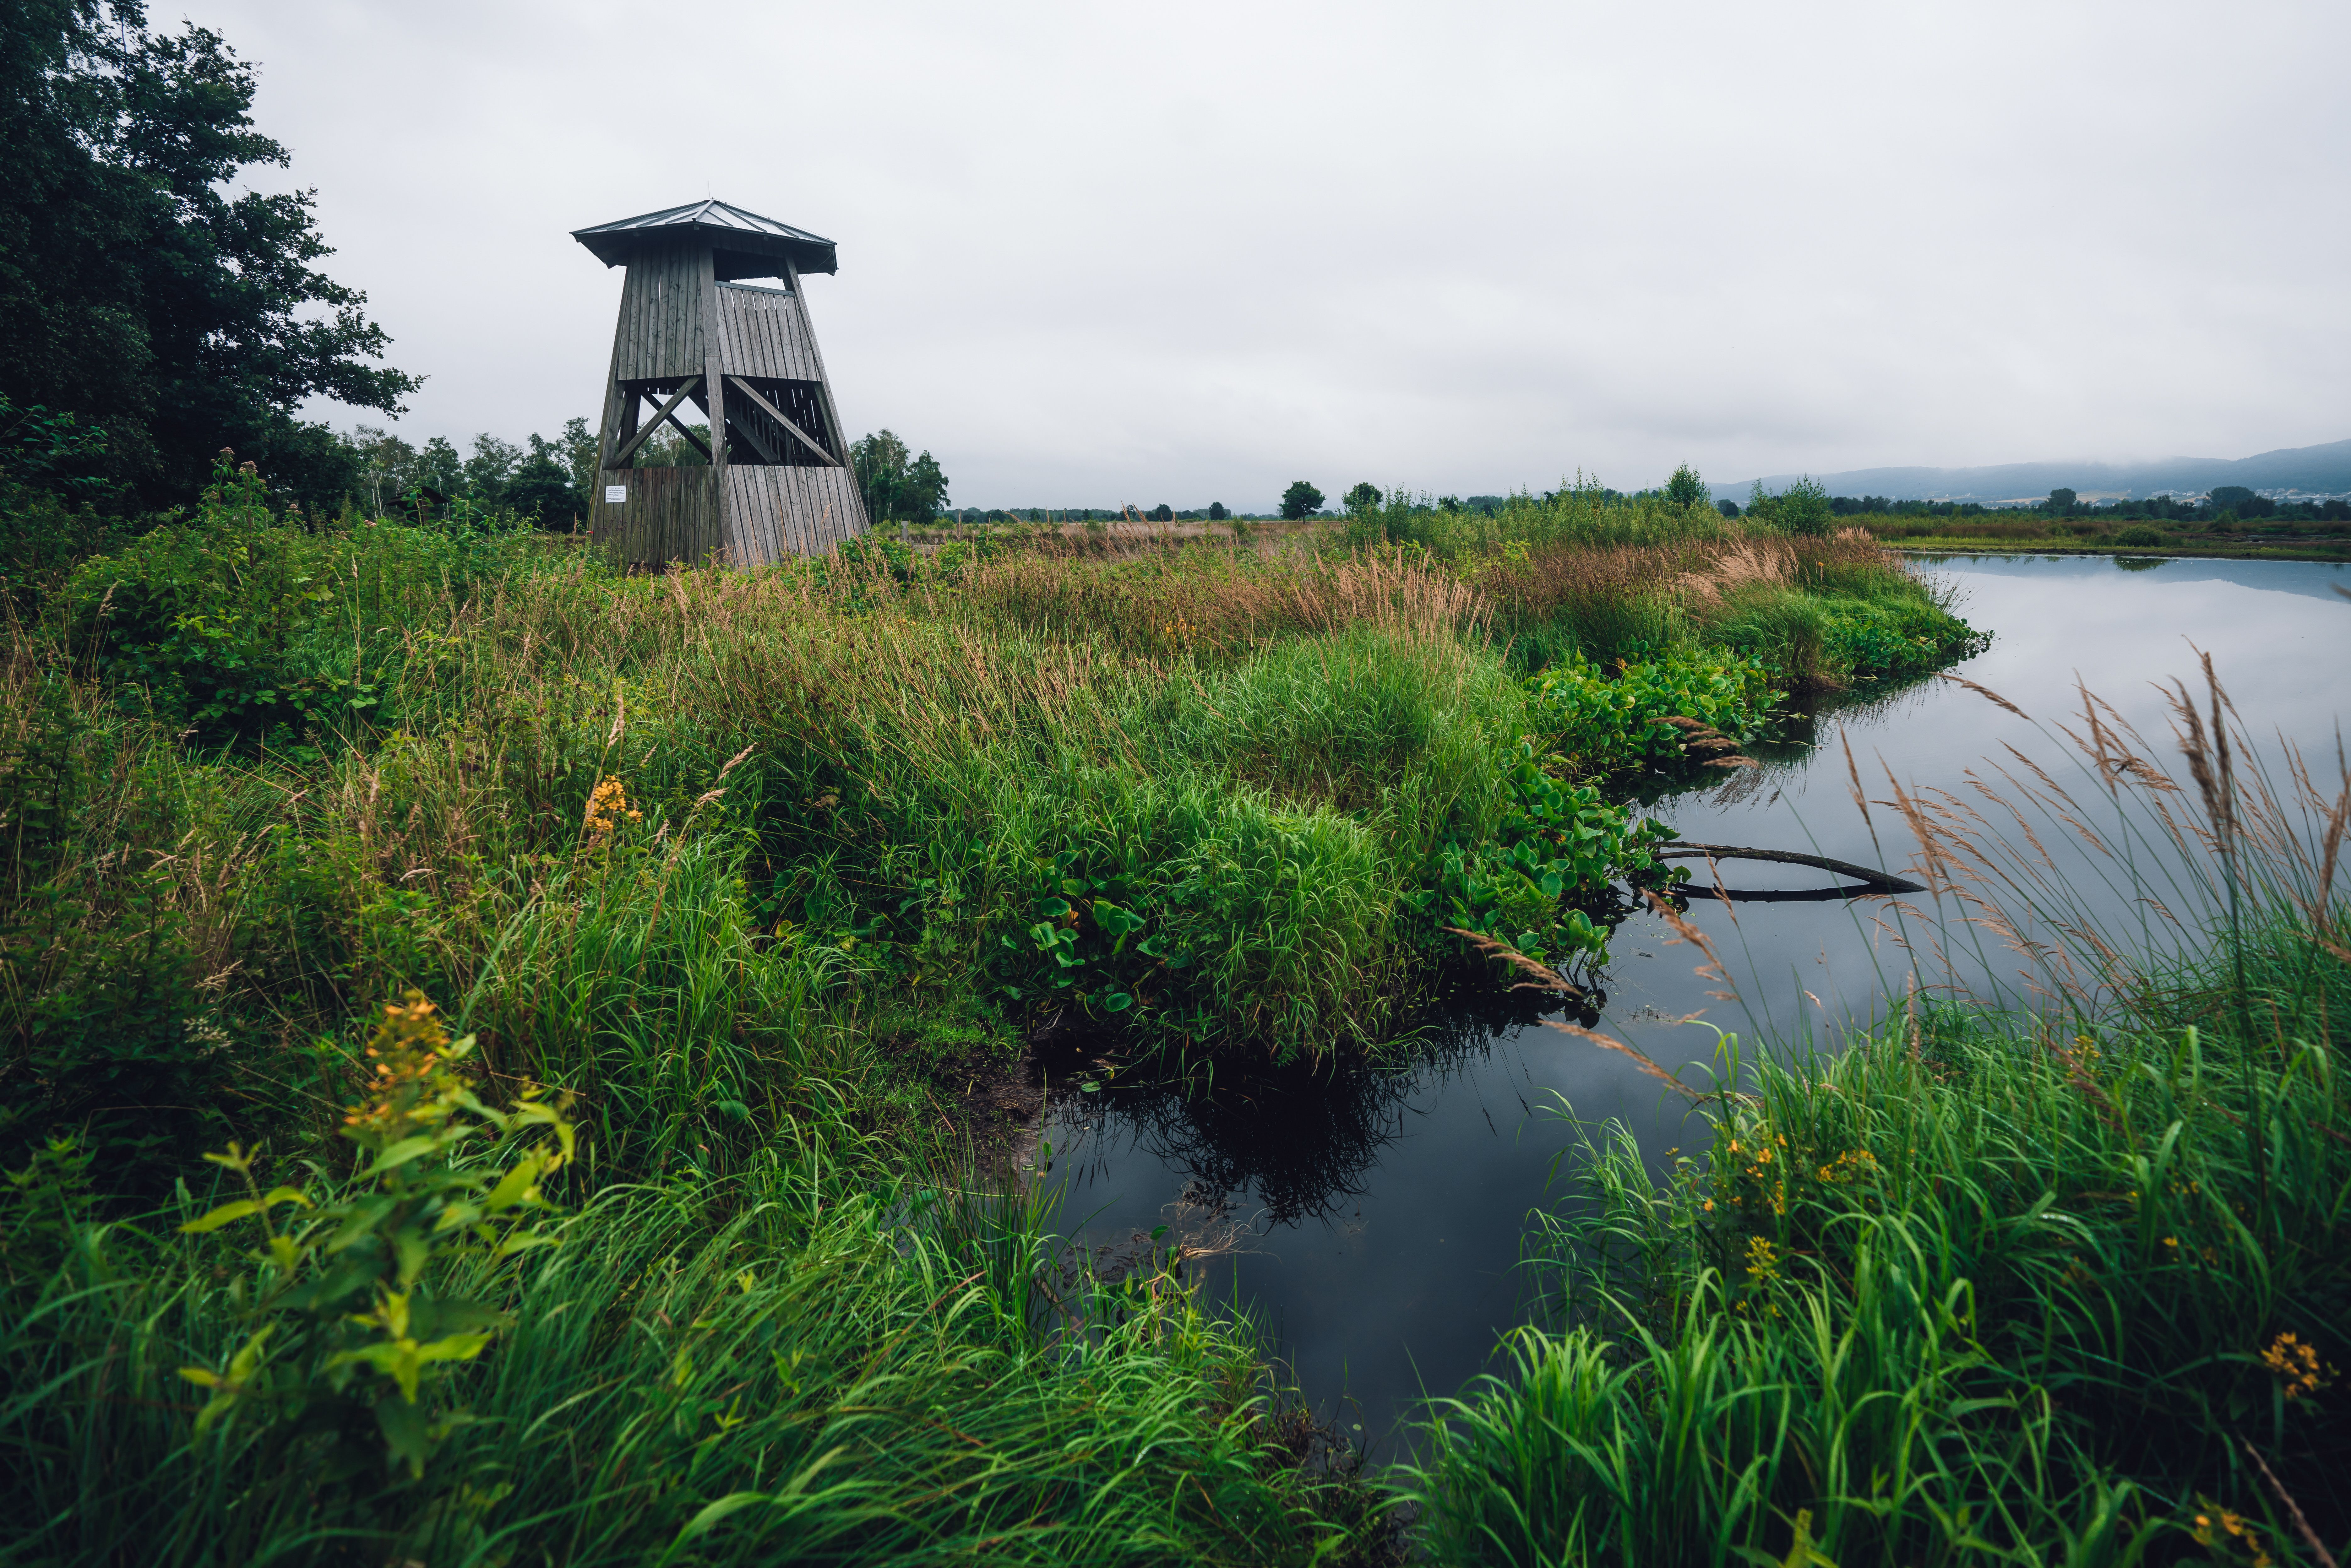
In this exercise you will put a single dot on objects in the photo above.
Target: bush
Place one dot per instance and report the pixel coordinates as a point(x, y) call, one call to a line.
point(1875, 640)
point(347, 1342)
point(1804, 507)
point(43, 536)
point(1537, 883)
point(250, 626)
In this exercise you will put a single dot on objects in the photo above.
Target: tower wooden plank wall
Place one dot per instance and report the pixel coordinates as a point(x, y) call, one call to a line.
point(745, 357)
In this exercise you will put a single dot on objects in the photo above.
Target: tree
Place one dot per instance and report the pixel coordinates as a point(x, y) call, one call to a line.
point(1686, 489)
point(51, 451)
point(576, 448)
point(543, 486)
point(923, 494)
point(1217, 513)
point(2235, 498)
point(490, 469)
point(2060, 501)
point(879, 461)
point(1727, 507)
point(1301, 500)
point(897, 488)
point(439, 468)
point(548, 480)
point(1361, 498)
point(1161, 513)
point(385, 461)
point(1804, 507)
point(136, 295)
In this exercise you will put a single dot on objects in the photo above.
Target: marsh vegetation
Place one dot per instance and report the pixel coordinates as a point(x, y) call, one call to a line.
point(757, 875)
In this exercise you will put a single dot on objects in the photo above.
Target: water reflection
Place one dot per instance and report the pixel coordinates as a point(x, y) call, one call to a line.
point(1295, 1143)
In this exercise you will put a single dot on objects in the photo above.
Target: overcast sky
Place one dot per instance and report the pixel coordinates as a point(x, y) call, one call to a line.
point(1109, 253)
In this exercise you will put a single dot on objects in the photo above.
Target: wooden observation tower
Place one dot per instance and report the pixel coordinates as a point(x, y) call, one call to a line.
point(775, 480)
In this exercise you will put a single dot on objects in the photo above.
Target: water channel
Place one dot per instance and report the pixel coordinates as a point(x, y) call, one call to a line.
point(1375, 1222)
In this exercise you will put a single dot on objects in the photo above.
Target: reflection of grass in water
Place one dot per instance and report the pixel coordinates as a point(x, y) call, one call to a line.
point(1789, 746)
point(1300, 1140)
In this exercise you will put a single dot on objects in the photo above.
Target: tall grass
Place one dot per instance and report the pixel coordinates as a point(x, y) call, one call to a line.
point(2060, 1283)
point(796, 1363)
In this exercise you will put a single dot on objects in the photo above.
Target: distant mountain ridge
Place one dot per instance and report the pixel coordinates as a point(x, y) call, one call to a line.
point(2312, 470)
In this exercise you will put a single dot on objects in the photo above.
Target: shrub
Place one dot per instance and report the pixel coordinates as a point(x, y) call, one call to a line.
point(249, 626)
point(1685, 489)
point(1804, 507)
point(1537, 882)
point(1875, 640)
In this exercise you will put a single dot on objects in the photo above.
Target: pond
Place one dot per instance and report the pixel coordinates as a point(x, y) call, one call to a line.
point(1372, 1223)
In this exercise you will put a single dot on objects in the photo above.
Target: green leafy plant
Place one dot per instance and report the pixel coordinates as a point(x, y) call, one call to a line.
point(1536, 884)
point(1607, 726)
point(1686, 488)
point(248, 624)
point(1868, 641)
point(1092, 947)
point(348, 1336)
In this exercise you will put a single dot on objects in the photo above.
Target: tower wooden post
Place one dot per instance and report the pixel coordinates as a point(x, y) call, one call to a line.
point(773, 480)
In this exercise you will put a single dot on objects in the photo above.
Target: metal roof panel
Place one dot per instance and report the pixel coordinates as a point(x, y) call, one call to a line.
point(723, 223)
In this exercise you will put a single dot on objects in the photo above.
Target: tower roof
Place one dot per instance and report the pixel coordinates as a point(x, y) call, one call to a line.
point(748, 245)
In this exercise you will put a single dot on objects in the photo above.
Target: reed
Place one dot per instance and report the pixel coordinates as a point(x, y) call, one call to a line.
point(2054, 1276)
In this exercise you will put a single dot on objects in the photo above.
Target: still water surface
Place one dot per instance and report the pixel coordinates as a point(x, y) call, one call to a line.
point(1376, 1221)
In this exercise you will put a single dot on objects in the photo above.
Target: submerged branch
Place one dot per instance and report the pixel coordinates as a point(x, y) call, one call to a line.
point(1878, 881)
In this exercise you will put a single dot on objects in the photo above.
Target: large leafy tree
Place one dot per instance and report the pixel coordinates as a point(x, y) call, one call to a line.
point(1301, 500)
point(136, 295)
point(897, 488)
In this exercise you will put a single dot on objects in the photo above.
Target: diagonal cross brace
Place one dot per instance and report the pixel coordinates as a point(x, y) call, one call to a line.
point(772, 411)
point(668, 413)
point(749, 432)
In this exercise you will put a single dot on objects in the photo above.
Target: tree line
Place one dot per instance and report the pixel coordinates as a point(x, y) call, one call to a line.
point(2224, 503)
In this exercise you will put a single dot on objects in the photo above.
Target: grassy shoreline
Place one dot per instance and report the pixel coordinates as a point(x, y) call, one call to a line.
point(2184, 551)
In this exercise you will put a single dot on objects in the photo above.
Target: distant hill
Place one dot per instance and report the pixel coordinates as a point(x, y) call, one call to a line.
point(2311, 470)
